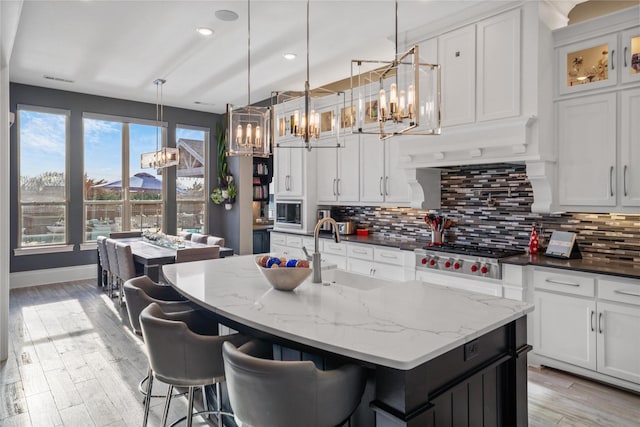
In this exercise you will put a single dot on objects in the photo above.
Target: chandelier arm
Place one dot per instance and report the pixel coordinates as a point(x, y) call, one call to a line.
point(249, 52)
point(306, 88)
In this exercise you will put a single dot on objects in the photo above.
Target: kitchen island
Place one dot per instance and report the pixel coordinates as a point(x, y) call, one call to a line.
point(437, 356)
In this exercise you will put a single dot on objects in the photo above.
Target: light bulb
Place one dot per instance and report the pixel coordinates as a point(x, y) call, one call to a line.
point(239, 135)
point(382, 105)
point(296, 122)
point(411, 100)
point(258, 136)
point(393, 99)
point(401, 103)
point(249, 134)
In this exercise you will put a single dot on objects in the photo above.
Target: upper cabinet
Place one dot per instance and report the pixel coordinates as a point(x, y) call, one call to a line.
point(381, 178)
point(631, 55)
point(588, 64)
point(480, 70)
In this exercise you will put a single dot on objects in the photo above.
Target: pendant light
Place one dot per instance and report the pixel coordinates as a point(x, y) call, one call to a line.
point(248, 127)
point(399, 97)
point(165, 156)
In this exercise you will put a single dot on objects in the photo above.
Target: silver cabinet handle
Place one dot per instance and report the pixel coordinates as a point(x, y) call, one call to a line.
point(383, 255)
point(386, 185)
point(611, 180)
point(624, 180)
point(334, 187)
point(286, 183)
point(338, 186)
point(600, 322)
point(631, 293)
point(593, 328)
point(359, 251)
point(559, 282)
point(613, 61)
point(381, 193)
point(625, 56)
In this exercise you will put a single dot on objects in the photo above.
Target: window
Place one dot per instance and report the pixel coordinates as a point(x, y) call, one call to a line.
point(191, 191)
point(43, 139)
point(118, 194)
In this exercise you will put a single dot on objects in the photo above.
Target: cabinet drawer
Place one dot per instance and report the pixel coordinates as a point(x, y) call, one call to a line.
point(331, 247)
point(388, 256)
point(568, 283)
point(309, 243)
point(278, 239)
point(294, 241)
point(360, 252)
point(625, 291)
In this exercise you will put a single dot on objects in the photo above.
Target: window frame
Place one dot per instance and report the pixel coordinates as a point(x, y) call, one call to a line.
point(67, 151)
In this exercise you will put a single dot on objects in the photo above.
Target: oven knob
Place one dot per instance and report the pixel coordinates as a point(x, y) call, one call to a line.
point(433, 262)
point(447, 264)
point(474, 267)
point(484, 269)
point(457, 265)
point(423, 261)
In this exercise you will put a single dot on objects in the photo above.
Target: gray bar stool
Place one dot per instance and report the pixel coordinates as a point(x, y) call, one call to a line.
point(105, 269)
point(184, 351)
point(141, 292)
point(270, 393)
point(113, 265)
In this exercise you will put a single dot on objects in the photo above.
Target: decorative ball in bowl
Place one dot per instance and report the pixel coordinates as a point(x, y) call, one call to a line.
point(283, 274)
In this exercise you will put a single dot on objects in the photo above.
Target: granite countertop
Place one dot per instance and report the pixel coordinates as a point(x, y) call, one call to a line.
point(371, 239)
point(399, 324)
point(257, 226)
point(586, 265)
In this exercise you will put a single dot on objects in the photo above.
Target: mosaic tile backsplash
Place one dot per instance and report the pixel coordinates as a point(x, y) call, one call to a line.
point(490, 205)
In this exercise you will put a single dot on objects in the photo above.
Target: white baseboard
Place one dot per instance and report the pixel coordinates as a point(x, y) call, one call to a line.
point(23, 279)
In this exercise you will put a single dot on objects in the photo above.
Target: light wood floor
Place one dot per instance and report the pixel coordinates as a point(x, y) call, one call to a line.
point(73, 362)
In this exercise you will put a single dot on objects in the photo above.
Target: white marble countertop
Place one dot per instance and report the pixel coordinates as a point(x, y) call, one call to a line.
point(400, 325)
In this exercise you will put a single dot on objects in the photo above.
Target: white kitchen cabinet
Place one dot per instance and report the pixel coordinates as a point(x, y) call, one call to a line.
point(589, 321)
point(376, 261)
point(382, 180)
point(338, 172)
point(457, 56)
point(498, 70)
point(631, 55)
point(587, 151)
point(563, 328)
point(289, 171)
point(630, 146)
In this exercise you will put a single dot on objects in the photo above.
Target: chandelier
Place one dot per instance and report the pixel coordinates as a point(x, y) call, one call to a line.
point(165, 156)
point(248, 127)
point(398, 97)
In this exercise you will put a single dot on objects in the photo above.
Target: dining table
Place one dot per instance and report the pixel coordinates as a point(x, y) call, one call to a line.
point(150, 257)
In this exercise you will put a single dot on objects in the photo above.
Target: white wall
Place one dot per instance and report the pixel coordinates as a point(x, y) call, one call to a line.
point(9, 18)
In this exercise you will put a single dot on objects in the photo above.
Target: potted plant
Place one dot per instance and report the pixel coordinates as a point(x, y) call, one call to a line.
point(231, 193)
point(226, 191)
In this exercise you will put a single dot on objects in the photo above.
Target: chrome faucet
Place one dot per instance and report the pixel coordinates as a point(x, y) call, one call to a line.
point(315, 258)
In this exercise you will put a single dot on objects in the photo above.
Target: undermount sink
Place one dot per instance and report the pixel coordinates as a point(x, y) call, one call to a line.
point(351, 280)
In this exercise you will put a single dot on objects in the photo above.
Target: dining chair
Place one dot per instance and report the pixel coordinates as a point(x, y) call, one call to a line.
point(103, 259)
point(197, 254)
point(125, 234)
point(113, 265)
point(273, 393)
point(215, 241)
point(184, 350)
point(126, 266)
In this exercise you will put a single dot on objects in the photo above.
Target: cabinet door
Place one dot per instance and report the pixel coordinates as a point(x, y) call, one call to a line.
point(396, 186)
point(590, 64)
point(327, 175)
point(587, 151)
point(565, 328)
point(498, 72)
point(631, 55)
point(619, 341)
point(372, 169)
point(296, 171)
point(360, 266)
point(282, 173)
point(348, 185)
point(388, 272)
point(630, 147)
point(457, 56)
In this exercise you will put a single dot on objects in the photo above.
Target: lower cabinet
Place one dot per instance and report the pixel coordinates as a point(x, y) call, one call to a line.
point(601, 334)
point(261, 241)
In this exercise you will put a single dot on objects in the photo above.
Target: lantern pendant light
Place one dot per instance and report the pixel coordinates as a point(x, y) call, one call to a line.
point(162, 157)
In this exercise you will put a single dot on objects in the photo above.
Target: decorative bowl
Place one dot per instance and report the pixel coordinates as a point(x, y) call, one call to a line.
point(285, 278)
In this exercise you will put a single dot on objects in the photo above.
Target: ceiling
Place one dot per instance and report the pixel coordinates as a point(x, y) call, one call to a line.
point(118, 48)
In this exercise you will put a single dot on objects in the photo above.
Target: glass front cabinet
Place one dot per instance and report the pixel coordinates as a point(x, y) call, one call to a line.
point(631, 55)
point(589, 64)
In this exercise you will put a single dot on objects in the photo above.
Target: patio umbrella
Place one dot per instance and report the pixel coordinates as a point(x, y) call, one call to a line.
point(140, 182)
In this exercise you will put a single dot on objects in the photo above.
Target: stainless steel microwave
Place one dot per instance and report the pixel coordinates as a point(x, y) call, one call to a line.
point(289, 214)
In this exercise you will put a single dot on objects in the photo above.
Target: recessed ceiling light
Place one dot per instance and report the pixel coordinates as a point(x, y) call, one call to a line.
point(226, 15)
point(204, 31)
point(290, 56)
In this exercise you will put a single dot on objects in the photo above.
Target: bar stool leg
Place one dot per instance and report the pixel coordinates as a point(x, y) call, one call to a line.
point(147, 399)
point(190, 409)
point(167, 402)
point(218, 405)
